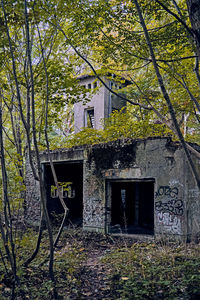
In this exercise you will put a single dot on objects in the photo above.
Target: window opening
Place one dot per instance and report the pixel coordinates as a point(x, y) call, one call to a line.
point(70, 178)
point(66, 188)
point(95, 85)
point(71, 191)
point(89, 118)
point(89, 86)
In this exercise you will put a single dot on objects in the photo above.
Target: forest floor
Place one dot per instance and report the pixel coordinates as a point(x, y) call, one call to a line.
point(93, 266)
point(95, 282)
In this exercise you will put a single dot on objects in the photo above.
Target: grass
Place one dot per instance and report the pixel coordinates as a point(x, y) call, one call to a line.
point(136, 270)
point(150, 271)
point(34, 280)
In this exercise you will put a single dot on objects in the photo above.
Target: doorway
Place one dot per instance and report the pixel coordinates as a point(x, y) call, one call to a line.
point(132, 207)
point(70, 178)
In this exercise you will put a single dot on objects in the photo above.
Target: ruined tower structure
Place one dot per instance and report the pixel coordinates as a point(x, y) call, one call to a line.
point(101, 105)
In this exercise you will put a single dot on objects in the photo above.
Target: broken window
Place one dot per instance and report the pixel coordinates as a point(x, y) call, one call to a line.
point(54, 192)
point(89, 118)
point(71, 191)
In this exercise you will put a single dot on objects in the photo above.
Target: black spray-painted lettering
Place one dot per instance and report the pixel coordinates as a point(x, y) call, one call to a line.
point(173, 206)
point(167, 191)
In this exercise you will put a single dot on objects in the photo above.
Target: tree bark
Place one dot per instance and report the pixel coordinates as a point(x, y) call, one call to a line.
point(165, 94)
point(194, 15)
point(39, 167)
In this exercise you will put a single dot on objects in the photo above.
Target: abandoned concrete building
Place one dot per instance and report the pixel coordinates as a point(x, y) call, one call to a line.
point(142, 187)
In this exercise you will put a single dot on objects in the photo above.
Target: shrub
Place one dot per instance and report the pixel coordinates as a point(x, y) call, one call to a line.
point(146, 271)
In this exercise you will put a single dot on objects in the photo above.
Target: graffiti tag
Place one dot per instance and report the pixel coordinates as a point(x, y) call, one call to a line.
point(173, 206)
point(93, 214)
point(171, 223)
point(169, 209)
point(167, 191)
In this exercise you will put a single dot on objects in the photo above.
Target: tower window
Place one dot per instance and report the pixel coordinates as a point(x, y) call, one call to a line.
point(89, 86)
point(89, 118)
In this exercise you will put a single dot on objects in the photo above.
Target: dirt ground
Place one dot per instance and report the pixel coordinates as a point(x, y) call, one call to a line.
point(95, 282)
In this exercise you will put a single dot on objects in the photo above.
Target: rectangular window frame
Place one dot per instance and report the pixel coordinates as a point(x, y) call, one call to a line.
point(89, 117)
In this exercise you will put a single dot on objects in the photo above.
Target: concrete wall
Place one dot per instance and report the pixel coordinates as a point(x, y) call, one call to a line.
point(97, 102)
point(102, 102)
point(176, 196)
point(158, 159)
point(192, 201)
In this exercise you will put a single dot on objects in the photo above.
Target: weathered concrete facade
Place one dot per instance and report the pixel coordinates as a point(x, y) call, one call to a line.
point(102, 103)
point(130, 186)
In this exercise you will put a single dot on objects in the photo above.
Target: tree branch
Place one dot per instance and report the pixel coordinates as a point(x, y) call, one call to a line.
point(166, 95)
point(189, 30)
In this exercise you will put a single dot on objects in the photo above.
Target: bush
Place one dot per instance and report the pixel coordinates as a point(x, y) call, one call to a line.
point(120, 124)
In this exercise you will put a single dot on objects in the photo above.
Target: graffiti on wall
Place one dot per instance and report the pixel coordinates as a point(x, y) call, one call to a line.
point(173, 206)
point(167, 191)
point(169, 209)
point(93, 213)
point(171, 223)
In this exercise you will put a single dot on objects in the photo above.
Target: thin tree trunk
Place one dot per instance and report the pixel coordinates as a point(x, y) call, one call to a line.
point(194, 15)
point(39, 239)
point(66, 210)
point(40, 171)
point(196, 70)
point(165, 94)
point(7, 235)
point(26, 125)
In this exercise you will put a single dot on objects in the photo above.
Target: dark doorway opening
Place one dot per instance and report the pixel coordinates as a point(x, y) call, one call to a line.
point(132, 207)
point(70, 178)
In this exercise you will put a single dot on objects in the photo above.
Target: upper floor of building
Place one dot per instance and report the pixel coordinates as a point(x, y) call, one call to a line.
point(102, 103)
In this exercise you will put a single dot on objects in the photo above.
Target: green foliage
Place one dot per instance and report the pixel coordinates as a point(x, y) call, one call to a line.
point(148, 271)
point(137, 271)
point(34, 279)
point(120, 124)
point(116, 44)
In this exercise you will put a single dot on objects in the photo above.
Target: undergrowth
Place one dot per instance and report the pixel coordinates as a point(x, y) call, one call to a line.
point(135, 270)
point(34, 282)
point(149, 271)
